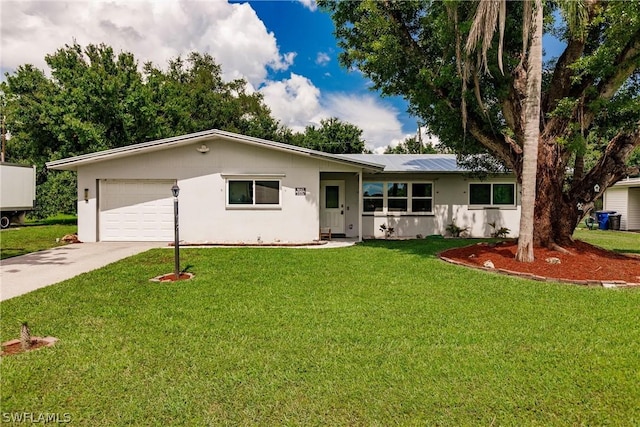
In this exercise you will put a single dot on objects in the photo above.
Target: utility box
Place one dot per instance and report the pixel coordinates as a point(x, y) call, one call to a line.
point(17, 192)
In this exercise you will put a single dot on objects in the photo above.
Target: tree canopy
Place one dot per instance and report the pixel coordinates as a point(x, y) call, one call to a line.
point(96, 99)
point(590, 93)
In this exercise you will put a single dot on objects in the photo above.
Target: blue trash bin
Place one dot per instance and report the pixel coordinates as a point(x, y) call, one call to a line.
point(603, 219)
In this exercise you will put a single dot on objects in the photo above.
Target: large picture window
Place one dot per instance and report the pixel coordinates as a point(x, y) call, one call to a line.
point(253, 192)
point(398, 197)
point(492, 194)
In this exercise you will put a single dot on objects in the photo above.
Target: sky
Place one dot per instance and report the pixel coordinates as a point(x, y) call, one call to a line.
point(286, 50)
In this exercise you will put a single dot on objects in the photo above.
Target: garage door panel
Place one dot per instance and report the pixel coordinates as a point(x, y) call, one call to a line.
point(136, 210)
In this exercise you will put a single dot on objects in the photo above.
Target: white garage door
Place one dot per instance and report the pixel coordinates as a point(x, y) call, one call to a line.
point(136, 210)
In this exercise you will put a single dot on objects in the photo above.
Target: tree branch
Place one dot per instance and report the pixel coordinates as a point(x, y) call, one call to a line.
point(610, 168)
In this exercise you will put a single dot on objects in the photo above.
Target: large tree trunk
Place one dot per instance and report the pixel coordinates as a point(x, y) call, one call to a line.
point(552, 214)
point(531, 139)
point(558, 208)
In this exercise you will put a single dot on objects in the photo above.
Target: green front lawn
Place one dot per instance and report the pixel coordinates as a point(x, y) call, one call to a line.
point(382, 333)
point(35, 236)
point(618, 241)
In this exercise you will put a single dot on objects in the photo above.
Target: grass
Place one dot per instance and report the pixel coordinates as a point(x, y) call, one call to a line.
point(618, 241)
point(35, 236)
point(382, 333)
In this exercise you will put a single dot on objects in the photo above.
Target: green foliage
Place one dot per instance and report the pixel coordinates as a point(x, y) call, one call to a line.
point(97, 100)
point(499, 232)
point(389, 335)
point(56, 195)
point(455, 230)
point(333, 136)
point(411, 145)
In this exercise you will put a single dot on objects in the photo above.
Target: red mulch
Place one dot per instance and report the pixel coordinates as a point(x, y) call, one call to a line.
point(586, 262)
point(12, 347)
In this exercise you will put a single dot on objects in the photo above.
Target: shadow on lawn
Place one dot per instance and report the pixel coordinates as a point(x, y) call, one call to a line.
point(429, 247)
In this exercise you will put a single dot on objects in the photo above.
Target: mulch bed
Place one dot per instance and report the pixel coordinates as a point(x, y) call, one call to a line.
point(587, 264)
point(13, 347)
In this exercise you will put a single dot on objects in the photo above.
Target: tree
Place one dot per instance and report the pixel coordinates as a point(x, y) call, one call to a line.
point(488, 14)
point(589, 93)
point(333, 136)
point(97, 100)
point(411, 145)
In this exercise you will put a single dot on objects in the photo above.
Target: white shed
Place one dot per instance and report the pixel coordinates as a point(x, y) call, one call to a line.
point(624, 198)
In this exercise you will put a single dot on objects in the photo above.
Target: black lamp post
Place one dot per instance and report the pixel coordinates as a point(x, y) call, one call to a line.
point(175, 190)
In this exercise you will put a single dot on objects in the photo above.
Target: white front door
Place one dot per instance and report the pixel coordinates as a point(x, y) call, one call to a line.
point(332, 206)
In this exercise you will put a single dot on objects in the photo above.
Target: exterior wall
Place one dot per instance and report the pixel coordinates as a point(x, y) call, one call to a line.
point(450, 203)
point(204, 216)
point(616, 199)
point(633, 210)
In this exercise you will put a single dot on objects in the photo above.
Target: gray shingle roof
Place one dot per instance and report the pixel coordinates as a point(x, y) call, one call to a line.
point(411, 162)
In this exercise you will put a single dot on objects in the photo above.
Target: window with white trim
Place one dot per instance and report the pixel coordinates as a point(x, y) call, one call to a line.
point(492, 194)
point(253, 193)
point(397, 197)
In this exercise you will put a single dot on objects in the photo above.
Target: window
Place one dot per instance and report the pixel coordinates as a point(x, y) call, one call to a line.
point(250, 192)
point(492, 194)
point(422, 197)
point(398, 197)
point(373, 196)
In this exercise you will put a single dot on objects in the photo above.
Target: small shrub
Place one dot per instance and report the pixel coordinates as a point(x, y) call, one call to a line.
point(454, 230)
point(500, 233)
point(388, 231)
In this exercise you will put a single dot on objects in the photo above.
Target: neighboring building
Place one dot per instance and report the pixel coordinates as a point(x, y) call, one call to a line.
point(624, 198)
point(239, 189)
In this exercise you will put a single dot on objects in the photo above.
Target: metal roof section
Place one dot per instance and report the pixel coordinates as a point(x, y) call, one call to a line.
point(72, 163)
point(399, 163)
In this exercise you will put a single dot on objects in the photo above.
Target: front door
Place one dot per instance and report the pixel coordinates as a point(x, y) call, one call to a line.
point(332, 206)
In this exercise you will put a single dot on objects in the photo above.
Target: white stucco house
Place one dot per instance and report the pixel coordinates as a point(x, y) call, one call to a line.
point(240, 189)
point(624, 198)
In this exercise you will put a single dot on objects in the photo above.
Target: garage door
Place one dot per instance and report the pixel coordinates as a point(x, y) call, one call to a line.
point(136, 210)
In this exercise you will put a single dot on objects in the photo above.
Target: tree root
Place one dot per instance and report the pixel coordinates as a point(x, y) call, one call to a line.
point(558, 248)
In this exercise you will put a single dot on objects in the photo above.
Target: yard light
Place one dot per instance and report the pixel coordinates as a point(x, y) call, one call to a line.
point(175, 190)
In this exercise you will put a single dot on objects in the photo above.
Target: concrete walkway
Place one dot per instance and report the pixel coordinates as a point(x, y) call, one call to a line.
point(26, 273)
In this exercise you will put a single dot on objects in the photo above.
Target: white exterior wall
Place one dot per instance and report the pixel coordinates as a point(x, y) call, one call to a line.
point(616, 199)
point(204, 216)
point(450, 203)
point(633, 209)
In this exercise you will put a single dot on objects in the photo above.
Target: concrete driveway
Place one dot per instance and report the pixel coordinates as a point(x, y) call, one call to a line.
point(22, 274)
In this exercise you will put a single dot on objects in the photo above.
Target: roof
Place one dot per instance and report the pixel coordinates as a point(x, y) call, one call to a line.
point(444, 163)
point(628, 182)
point(72, 163)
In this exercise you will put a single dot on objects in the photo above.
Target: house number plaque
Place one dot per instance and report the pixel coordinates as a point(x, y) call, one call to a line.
point(301, 191)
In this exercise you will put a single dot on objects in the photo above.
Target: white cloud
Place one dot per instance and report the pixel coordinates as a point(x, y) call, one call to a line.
point(294, 101)
point(297, 103)
point(379, 122)
point(309, 4)
point(322, 59)
point(152, 30)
